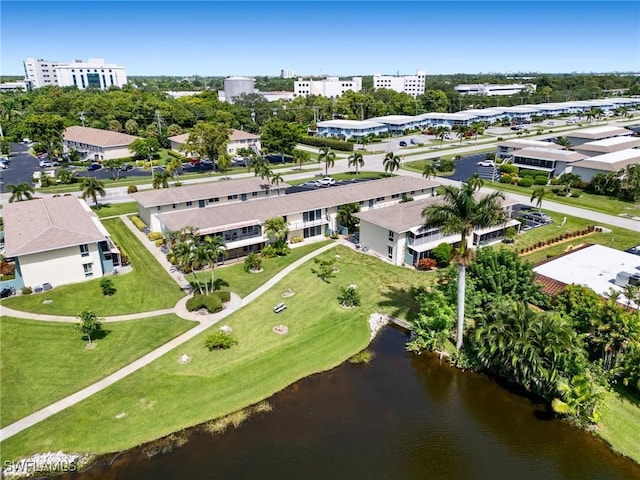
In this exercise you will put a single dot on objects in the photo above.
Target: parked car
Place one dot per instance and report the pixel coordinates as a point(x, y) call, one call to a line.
point(207, 161)
point(485, 163)
point(414, 141)
point(45, 163)
point(194, 161)
point(538, 217)
point(551, 124)
point(403, 143)
point(327, 181)
point(312, 184)
point(125, 167)
point(4, 166)
point(7, 292)
point(93, 167)
point(634, 250)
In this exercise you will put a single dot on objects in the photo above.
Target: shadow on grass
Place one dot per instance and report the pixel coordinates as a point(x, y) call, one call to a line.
point(400, 302)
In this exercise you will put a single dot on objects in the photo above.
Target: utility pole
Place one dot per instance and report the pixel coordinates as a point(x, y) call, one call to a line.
point(361, 111)
point(81, 117)
point(159, 120)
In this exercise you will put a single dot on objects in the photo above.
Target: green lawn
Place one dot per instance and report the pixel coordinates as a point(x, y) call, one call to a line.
point(167, 396)
point(42, 362)
point(113, 209)
point(599, 203)
point(343, 176)
point(418, 166)
point(148, 287)
point(620, 423)
point(234, 278)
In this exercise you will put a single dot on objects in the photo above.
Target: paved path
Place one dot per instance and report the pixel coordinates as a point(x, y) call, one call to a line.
point(206, 322)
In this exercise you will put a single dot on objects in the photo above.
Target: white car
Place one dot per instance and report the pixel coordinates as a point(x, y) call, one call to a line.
point(485, 163)
point(327, 181)
point(312, 184)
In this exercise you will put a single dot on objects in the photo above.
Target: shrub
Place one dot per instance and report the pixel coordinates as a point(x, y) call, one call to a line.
point(363, 356)
point(576, 193)
point(219, 341)
point(442, 254)
point(138, 223)
point(282, 250)
point(175, 154)
point(334, 236)
point(159, 242)
point(327, 142)
point(106, 284)
point(349, 296)
point(297, 240)
point(506, 179)
point(223, 295)
point(27, 290)
point(268, 251)
point(525, 182)
point(508, 168)
point(426, 264)
point(124, 259)
point(528, 173)
point(154, 236)
point(540, 180)
point(211, 302)
point(132, 189)
point(252, 262)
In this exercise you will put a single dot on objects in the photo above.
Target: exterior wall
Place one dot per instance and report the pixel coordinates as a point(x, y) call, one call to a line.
point(233, 147)
point(59, 267)
point(351, 132)
point(40, 73)
point(95, 152)
point(236, 86)
point(85, 74)
point(410, 84)
point(331, 87)
point(586, 174)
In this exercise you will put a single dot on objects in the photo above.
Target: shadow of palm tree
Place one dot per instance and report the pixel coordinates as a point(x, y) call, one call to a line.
point(399, 302)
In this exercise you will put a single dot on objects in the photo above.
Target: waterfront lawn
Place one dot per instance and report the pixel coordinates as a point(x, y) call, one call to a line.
point(42, 362)
point(147, 287)
point(618, 238)
point(114, 209)
point(234, 278)
point(620, 423)
point(167, 396)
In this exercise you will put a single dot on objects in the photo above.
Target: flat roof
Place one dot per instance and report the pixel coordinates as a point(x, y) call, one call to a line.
point(265, 208)
point(406, 216)
point(46, 224)
point(394, 119)
point(525, 143)
point(598, 133)
point(200, 191)
point(609, 145)
point(449, 116)
point(595, 266)
point(549, 153)
point(352, 124)
point(97, 137)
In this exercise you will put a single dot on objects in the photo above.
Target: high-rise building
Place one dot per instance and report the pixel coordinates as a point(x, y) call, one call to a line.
point(287, 73)
point(94, 73)
point(329, 87)
point(413, 85)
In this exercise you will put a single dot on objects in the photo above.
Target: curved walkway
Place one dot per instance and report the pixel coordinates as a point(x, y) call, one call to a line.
point(206, 321)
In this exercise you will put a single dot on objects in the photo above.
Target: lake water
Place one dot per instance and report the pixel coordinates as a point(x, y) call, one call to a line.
point(399, 417)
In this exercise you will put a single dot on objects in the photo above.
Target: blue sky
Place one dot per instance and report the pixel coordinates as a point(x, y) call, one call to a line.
point(326, 37)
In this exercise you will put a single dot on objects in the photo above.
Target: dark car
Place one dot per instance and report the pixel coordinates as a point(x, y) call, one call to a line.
point(7, 292)
point(93, 167)
point(403, 143)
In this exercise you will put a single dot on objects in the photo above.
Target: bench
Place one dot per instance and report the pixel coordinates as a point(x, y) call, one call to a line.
point(279, 308)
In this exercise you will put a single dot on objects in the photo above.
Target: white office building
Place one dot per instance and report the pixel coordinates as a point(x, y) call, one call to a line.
point(490, 90)
point(284, 73)
point(410, 84)
point(329, 87)
point(94, 73)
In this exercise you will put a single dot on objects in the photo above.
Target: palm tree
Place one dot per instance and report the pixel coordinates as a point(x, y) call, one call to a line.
point(429, 170)
point(461, 131)
point(20, 192)
point(475, 182)
point(276, 230)
point(92, 187)
point(215, 248)
point(328, 157)
point(357, 159)
point(173, 166)
point(440, 132)
point(364, 141)
point(161, 179)
point(276, 178)
point(391, 162)
point(538, 194)
point(460, 212)
point(300, 157)
point(564, 142)
point(477, 128)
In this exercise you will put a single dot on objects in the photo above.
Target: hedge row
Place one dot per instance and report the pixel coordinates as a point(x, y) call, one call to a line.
point(327, 142)
point(211, 302)
point(138, 223)
point(174, 154)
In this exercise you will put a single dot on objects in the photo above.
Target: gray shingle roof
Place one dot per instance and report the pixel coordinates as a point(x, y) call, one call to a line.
point(265, 208)
point(48, 224)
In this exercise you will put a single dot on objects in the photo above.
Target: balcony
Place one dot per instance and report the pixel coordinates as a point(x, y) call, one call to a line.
point(299, 225)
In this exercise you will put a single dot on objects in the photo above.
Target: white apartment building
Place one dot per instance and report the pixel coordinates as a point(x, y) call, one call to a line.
point(413, 85)
point(93, 73)
point(489, 89)
point(329, 87)
point(285, 73)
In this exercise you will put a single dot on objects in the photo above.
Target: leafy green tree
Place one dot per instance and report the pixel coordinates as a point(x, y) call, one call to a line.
point(276, 178)
point(65, 176)
point(391, 162)
point(477, 128)
point(113, 166)
point(538, 194)
point(208, 140)
point(328, 157)
point(434, 322)
point(349, 296)
point(461, 131)
point(5, 146)
point(20, 192)
point(441, 132)
point(145, 147)
point(356, 160)
point(252, 262)
point(460, 212)
point(325, 269)
point(475, 182)
point(564, 142)
point(346, 218)
point(90, 325)
point(279, 136)
point(224, 163)
point(579, 398)
point(131, 127)
point(442, 254)
point(173, 166)
point(114, 126)
point(92, 187)
point(567, 180)
point(47, 129)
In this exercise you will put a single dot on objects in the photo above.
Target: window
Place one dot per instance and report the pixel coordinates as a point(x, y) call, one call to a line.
point(200, 203)
point(189, 204)
point(389, 252)
point(379, 199)
point(391, 235)
point(395, 195)
point(173, 205)
point(88, 269)
point(212, 200)
point(254, 194)
point(84, 250)
point(232, 197)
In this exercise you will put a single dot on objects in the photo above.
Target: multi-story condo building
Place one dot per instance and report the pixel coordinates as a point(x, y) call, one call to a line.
point(94, 73)
point(284, 73)
point(489, 90)
point(329, 87)
point(410, 84)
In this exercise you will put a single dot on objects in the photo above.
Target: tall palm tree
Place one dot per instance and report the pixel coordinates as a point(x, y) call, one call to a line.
point(161, 179)
point(92, 187)
point(475, 182)
point(429, 170)
point(477, 128)
point(20, 192)
point(461, 132)
point(357, 160)
point(215, 248)
point(538, 194)
point(276, 178)
point(328, 157)
point(276, 230)
point(460, 212)
point(440, 132)
point(391, 162)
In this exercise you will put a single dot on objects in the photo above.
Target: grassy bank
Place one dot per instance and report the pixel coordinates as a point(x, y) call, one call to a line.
point(620, 423)
point(42, 362)
point(147, 287)
point(168, 396)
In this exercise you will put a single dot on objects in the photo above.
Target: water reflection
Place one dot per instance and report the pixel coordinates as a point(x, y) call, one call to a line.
point(400, 417)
